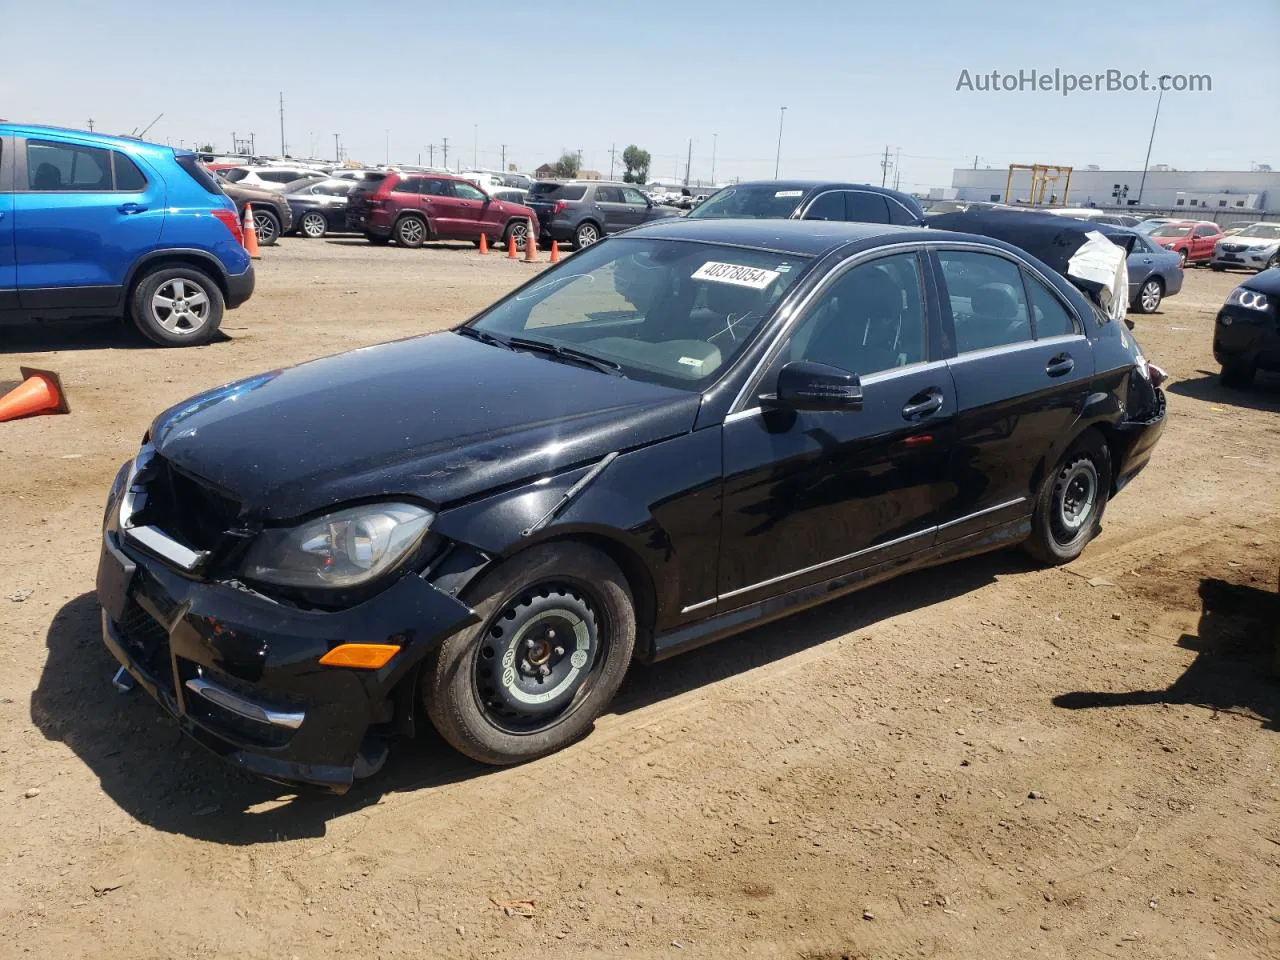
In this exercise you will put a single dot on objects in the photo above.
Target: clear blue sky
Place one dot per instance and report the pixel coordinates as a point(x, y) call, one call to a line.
point(854, 77)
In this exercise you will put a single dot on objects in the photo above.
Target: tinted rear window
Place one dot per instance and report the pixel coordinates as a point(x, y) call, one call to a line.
point(369, 182)
point(557, 191)
point(196, 171)
point(768, 201)
point(128, 176)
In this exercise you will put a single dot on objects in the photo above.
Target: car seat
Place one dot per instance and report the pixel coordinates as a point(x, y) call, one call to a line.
point(48, 177)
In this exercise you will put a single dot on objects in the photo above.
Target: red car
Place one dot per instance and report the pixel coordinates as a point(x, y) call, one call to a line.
point(1192, 239)
point(413, 208)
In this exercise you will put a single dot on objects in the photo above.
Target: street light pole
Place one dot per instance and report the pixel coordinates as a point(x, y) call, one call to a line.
point(715, 138)
point(1147, 162)
point(475, 146)
point(777, 161)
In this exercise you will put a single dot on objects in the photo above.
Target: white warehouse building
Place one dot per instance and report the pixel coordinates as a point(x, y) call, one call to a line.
point(1221, 190)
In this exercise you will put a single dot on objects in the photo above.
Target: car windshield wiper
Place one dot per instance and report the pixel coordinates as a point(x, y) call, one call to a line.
point(484, 336)
point(567, 353)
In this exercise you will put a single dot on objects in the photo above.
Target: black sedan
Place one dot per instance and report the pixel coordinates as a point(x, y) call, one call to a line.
point(1246, 334)
point(810, 200)
point(319, 206)
point(677, 434)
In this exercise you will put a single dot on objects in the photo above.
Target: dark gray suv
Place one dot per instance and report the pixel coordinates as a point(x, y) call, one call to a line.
point(583, 211)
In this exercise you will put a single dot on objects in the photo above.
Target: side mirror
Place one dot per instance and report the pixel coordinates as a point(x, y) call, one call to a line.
point(805, 385)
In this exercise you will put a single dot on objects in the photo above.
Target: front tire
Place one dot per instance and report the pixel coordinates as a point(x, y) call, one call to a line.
point(313, 225)
point(1237, 375)
point(177, 306)
point(411, 232)
point(556, 635)
point(1068, 512)
point(1150, 295)
point(267, 226)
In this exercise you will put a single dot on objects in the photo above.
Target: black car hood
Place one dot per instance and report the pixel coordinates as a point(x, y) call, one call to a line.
point(442, 418)
point(1268, 282)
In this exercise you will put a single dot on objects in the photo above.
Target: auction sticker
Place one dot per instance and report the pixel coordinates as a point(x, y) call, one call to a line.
point(756, 278)
point(789, 193)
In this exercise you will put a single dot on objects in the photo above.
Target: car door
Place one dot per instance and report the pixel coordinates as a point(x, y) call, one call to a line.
point(865, 206)
point(636, 206)
point(809, 495)
point(472, 206)
point(83, 215)
point(1205, 236)
point(612, 209)
point(8, 260)
point(1022, 369)
point(438, 203)
point(1140, 264)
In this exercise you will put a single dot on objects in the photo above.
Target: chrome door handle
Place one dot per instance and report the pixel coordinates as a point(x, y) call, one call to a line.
point(928, 406)
point(1060, 365)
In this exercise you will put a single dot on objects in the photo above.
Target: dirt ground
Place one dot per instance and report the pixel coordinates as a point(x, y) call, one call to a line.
point(982, 760)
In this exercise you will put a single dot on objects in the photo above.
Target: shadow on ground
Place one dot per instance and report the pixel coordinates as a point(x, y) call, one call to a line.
point(167, 782)
point(1237, 664)
point(429, 245)
point(1263, 395)
point(72, 335)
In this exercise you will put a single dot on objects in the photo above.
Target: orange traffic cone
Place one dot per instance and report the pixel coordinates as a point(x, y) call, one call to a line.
point(530, 246)
point(250, 233)
point(511, 247)
point(39, 392)
point(555, 251)
point(484, 243)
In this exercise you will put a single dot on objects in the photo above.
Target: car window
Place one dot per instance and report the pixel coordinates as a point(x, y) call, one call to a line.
point(608, 195)
point(279, 176)
point(827, 206)
point(234, 175)
point(340, 189)
point(869, 320)
point(65, 166)
point(1051, 318)
point(988, 304)
point(128, 176)
point(1206, 231)
point(465, 191)
point(671, 312)
point(410, 185)
point(632, 195)
point(435, 187)
point(1169, 230)
point(757, 201)
point(866, 207)
point(900, 215)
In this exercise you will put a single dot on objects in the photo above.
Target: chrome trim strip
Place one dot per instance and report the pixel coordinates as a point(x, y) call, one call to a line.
point(742, 414)
point(244, 707)
point(826, 563)
point(823, 284)
point(698, 606)
point(165, 546)
point(1006, 348)
point(981, 513)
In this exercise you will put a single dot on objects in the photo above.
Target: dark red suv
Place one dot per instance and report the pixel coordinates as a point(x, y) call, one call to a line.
point(412, 208)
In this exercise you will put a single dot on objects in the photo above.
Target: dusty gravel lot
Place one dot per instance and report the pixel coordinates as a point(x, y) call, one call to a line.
point(983, 760)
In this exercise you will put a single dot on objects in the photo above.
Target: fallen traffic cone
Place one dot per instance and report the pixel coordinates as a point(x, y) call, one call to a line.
point(555, 251)
point(250, 233)
point(484, 243)
point(511, 246)
point(530, 246)
point(39, 392)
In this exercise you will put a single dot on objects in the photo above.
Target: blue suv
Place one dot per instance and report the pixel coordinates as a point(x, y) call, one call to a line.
point(95, 227)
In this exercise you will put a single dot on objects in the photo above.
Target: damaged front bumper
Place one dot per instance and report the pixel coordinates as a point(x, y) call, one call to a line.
point(241, 672)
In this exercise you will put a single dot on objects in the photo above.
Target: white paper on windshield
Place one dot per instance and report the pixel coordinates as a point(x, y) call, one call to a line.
point(789, 193)
point(691, 362)
point(756, 278)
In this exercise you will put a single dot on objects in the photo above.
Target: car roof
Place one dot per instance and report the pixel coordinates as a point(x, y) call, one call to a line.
point(811, 185)
point(806, 237)
point(106, 140)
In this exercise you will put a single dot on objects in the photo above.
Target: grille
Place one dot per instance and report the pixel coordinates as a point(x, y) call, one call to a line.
point(187, 509)
point(147, 643)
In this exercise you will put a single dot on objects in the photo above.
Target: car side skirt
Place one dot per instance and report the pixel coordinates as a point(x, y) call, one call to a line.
point(714, 628)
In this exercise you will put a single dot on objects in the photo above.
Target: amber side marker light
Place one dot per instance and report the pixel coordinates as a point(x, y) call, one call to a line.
point(365, 656)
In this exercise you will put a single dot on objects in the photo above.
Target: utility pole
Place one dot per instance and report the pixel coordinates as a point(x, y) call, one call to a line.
point(1147, 162)
point(884, 167)
point(975, 161)
point(688, 162)
point(897, 167)
point(253, 143)
point(282, 144)
point(777, 160)
point(475, 146)
point(337, 150)
point(444, 152)
point(715, 137)
point(504, 158)
point(91, 124)
point(431, 154)
point(613, 148)
point(234, 148)
point(387, 133)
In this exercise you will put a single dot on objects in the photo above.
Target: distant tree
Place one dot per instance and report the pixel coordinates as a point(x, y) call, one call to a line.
point(207, 148)
point(567, 165)
point(637, 163)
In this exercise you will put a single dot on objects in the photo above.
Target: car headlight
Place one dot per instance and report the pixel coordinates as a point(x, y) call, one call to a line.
point(342, 549)
point(1244, 297)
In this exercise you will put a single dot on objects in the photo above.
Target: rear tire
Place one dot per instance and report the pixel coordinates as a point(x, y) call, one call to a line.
point(313, 225)
point(1149, 295)
point(1068, 512)
point(267, 226)
point(411, 232)
point(557, 630)
point(177, 306)
point(586, 234)
point(1237, 375)
point(518, 229)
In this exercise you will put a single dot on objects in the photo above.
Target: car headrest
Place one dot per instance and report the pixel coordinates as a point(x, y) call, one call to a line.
point(995, 301)
point(48, 177)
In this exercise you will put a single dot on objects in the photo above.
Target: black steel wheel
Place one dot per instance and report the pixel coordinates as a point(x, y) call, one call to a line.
point(555, 639)
point(1068, 512)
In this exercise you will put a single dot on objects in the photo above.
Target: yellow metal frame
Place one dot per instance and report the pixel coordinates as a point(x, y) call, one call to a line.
point(1043, 176)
